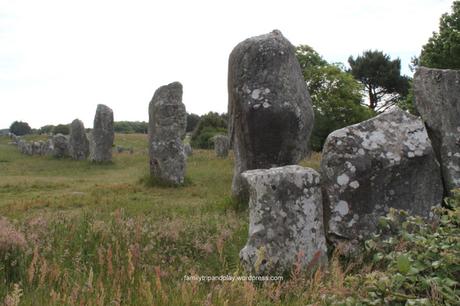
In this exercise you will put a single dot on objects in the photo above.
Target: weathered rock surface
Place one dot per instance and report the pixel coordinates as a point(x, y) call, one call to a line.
point(47, 147)
point(15, 139)
point(366, 168)
point(36, 148)
point(285, 220)
point(167, 123)
point(24, 147)
point(102, 135)
point(221, 145)
point(270, 112)
point(60, 146)
point(437, 99)
point(78, 141)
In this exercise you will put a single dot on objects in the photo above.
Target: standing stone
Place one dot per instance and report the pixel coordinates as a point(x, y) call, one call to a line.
point(367, 168)
point(15, 138)
point(23, 146)
point(285, 220)
point(36, 148)
point(60, 146)
point(221, 145)
point(270, 112)
point(167, 123)
point(188, 149)
point(78, 141)
point(102, 135)
point(437, 99)
point(47, 147)
point(28, 149)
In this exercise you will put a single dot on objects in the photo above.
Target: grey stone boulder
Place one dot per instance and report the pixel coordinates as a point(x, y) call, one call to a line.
point(15, 139)
point(188, 149)
point(47, 147)
point(60, 146)
point(78, 141)
point(102, 135)
point(221, 145)
point(37, 148)
point(285, 220)
point(367, 168)
point(24, 147)
point(437, 99)
point(167, 123)
point(269, 107)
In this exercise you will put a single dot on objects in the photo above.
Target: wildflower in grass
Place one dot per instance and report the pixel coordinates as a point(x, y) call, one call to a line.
point(12, 247)
point(14, 297)
point(10, 238)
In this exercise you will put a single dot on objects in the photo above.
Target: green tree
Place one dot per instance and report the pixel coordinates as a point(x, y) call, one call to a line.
point(20, 128)
point(443, 48)
point(210, 125)
point(335, 94)
point(381, 77)
point(61, 129)
point(46, 129)
point(407, 103)
point(192, 122)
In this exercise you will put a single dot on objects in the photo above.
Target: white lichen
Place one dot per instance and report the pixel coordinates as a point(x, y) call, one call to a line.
point(343, 179)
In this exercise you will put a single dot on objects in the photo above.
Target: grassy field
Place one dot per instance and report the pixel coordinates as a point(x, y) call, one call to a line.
point(99, 235)
point(83, 221)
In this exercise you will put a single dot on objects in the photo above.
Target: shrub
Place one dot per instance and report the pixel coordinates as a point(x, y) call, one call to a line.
point(210, 125)
point(63, 129)
point(415, 262)
point(46, 129)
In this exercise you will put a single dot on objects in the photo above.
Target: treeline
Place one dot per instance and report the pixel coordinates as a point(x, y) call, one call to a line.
point(340, 96)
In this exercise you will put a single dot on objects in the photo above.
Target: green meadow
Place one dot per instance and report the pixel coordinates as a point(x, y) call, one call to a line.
point(102, 234)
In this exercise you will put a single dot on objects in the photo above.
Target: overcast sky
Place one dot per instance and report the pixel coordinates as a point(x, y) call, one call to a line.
point(60, 58)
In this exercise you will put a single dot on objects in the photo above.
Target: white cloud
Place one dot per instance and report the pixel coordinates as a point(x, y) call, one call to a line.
point(58, 59)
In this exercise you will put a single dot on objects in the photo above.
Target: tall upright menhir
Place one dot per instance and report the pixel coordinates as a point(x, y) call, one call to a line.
point(102, 136)
point(270, 111)
point(437, 99)
point(78, 141)
point(167, 124)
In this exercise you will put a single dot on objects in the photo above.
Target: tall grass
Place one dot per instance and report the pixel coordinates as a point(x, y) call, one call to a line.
point(100, 235)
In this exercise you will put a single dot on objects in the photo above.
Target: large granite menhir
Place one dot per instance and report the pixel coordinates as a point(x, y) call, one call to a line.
point(285, 220)
point(167, 124)
point(270, 112)
point(102, 135)
point(367, 168)
point(437, 99)
point(78, 141)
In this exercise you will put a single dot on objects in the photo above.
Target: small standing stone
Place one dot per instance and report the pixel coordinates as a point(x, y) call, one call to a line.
point(188, 149)
point(36, 148)
point(221, 145)
point(437, 99)
point(102, 135)
point(78, 141)
point(60, 146)
point(47, 147)
point(167, 123)
point(285, 220)
point(269, 107)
